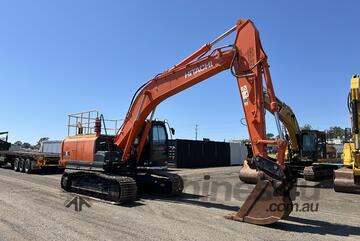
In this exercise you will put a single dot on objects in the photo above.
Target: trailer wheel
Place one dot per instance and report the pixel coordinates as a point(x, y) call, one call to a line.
point(21, 165)
point(16, 164)
point(27, 166)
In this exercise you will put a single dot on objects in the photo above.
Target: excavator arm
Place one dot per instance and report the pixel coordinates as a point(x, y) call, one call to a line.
point(248, 173)
point(288, 118)
point(248, 64)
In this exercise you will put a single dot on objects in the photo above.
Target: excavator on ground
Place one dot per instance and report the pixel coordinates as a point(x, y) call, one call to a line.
point(111, 168)
point(347, 178)
point(307, 155)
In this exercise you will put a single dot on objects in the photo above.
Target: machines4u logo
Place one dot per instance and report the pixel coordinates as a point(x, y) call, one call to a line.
point(78, 202)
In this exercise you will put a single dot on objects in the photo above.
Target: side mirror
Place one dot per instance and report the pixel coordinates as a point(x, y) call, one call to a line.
point(172, 130)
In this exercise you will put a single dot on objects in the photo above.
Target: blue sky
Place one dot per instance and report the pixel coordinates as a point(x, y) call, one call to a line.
point(61, 57)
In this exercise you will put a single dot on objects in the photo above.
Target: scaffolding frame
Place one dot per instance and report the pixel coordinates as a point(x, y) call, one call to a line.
point(83, 123)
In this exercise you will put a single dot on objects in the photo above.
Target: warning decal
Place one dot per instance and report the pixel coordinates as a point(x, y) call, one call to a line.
point(244, 94)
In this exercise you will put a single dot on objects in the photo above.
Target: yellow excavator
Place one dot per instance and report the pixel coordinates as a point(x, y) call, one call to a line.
point(347, 178)
point(307, 154)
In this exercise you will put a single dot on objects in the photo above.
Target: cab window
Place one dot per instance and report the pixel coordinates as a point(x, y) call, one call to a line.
point(159, 135)
point(309, 142)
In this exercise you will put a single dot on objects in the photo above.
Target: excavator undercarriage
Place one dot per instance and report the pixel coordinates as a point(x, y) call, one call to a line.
point(109, 187)
point(121, 188)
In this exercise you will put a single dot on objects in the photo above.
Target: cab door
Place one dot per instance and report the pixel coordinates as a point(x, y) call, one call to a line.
point(158, 145)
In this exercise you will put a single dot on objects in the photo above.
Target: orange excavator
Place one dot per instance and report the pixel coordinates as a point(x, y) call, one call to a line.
point(114, 170)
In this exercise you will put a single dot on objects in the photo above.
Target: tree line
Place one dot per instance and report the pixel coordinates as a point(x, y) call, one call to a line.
point(27, 145)
point(334, 132)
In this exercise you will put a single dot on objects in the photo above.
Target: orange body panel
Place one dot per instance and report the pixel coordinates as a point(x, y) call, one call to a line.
point(78, 148)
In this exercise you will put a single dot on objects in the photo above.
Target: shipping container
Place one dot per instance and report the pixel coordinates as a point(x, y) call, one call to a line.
point(200, 154)
point(238, 153)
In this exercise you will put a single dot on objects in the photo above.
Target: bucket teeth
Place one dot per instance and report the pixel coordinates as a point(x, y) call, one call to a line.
point(268, 202)
point(271, 199)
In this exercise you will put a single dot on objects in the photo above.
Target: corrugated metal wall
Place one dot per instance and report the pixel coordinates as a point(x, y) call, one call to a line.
point(190, 153)
point(238, 153)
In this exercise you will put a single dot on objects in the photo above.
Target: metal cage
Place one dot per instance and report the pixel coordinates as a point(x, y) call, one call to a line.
point(83, 123)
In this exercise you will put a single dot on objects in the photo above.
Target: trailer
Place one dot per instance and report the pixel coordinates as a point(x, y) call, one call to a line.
point(26, 160)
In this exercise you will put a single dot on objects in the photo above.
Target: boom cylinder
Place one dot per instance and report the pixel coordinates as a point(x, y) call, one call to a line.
point(222, 36)
point(277, 121)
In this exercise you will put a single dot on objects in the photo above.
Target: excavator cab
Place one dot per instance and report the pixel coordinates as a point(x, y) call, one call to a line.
point(313, 144)
point(155, 152)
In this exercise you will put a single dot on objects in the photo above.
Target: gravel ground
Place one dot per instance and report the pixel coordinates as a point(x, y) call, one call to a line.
point(32, 208)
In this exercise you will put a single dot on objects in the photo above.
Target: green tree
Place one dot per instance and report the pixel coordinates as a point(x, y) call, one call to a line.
point(26, 145)
point(18, 143)
point(335, 132)
point(244, 141)
point(306, 127)
point(269, 136)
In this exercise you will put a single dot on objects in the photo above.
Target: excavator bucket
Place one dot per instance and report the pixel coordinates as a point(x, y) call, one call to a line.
point(345, 181)
point(248, 174)
point(270, 200)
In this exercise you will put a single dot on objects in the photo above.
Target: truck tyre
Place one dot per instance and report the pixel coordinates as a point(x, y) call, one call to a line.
point(21, 165)
point(27, 166)
point(16, 164)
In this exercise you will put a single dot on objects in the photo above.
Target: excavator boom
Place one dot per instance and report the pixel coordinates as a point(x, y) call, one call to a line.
point(248, 64)
point(247, 61)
